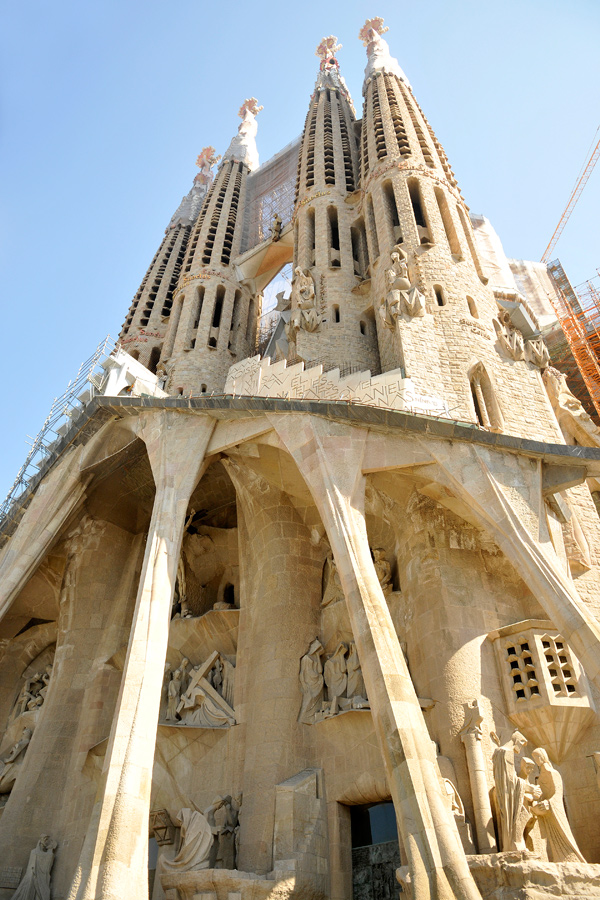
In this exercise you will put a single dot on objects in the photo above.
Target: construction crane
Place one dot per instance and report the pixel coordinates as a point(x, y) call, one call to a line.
point(575, 195)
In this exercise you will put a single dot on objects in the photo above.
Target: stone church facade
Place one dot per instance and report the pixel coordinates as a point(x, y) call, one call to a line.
point(255, 605)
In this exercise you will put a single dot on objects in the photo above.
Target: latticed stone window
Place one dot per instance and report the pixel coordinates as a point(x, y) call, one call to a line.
point(546, 691)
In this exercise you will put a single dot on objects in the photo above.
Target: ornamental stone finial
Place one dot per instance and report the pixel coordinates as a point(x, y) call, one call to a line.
point(375, 24)
point(249, 106)
point(207, 159)
point(328, 47)
point(378, 52)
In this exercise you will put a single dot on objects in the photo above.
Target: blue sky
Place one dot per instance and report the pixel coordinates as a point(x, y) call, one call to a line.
point(105, 106)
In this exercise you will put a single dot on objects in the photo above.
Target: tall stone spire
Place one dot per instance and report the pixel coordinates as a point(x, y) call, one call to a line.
point(330, 252)
point(144, 328)
point(413, 208)
point(214, 317)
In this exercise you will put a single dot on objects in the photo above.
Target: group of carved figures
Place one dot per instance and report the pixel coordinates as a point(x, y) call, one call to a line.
point(333, 687)
point(209, 839)
point(521, 805)
point(332, 586)
point(33, 693)
point(202, 696)
point(400, 295)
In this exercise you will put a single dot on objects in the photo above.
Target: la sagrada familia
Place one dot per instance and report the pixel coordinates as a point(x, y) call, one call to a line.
point(319, 622)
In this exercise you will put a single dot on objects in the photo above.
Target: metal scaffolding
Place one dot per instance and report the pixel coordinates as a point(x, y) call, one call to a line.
point(64, 409)
point(271, 190)
point(578, 315)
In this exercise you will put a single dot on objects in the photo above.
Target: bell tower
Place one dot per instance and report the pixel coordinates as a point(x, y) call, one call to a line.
point(435, 314)
point(328, 323)
point(213, 320)
point(143, 331)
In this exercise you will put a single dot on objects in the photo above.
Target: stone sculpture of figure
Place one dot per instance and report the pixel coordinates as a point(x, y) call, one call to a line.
point(383, 570)
point(336, 677)
point(186, 612)
point(311, 682)
point(550, 810)
point(276, 227)
point(8, 763)
point(197, 708)
point(27, 693)
point(527, 824)
point(46, 681)
point(197, 839)
point(174, 691)
point(226, 823)
point(397, 283)
point(332, 586)
point(236, 809)
point(35, 884)
point(304, 312)
point(510, 792)
point(355, 685)
point(228, 681)
point(216, 676)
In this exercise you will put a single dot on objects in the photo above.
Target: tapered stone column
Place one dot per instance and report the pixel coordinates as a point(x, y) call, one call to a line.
point(114, 859)
point(329, 457)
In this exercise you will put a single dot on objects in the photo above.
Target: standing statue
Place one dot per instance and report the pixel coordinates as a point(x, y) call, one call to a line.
point(10, 764)
point(332, 586)
point(510, 792)
point(550, 810)
point(311, 682)
point(356, 685)
point(383, 570)
point(397, 283)
point(275, 227)
point(236, 810)
point(228, 681)
point(174, 691)
point(225, 855)
point(35, 884)
point(527, 824)
point(336, 677)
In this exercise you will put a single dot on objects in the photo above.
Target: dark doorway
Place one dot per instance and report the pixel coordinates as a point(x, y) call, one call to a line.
point(375, 852)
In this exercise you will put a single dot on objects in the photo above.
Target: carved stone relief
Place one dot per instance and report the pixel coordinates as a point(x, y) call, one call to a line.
point(202, 697)
point(208, 839)
point(333, 687)
point(401, 296)
point(305, 315)
point(35, 884)
point(11, 762)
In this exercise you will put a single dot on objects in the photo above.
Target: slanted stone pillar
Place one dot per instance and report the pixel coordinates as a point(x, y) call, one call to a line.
point(505, 495)
point(54, 501)
point(329, 457)
point(114, 859)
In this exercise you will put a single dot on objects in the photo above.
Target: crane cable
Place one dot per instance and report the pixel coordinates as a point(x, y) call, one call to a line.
point(582, 179)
